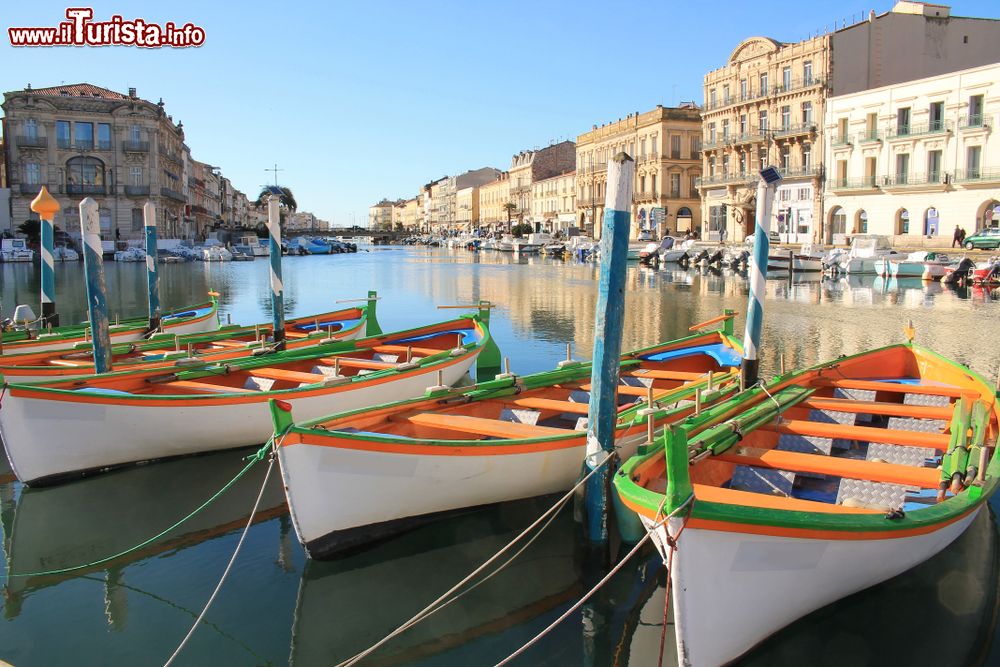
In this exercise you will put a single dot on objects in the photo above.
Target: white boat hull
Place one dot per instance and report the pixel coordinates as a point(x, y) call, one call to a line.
point(339, 494)
point(51, 438)
point(733, 590)
point(799, 263)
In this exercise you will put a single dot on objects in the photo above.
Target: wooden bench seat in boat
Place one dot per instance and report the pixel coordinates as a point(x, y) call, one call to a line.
point(665, 375)
point(208, 387)
point(286, 375)
point(896, 387)
point(715, 494)
point(550, 404)
point(401, 349)
point(878, 408)
point(296, 334)
point(926, 478)
point(231, 343)
point(352, 362)
point(479, 425)
point(938, 441)
point(69, 364)
point(626, 390)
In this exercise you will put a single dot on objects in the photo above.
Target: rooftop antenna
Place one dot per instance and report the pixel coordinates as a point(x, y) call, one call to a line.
point(275, 170)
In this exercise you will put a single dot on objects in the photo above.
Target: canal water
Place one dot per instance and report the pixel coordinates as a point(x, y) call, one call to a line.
point(279, 608)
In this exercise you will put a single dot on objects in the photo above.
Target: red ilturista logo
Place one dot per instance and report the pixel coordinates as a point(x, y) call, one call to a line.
point(81, 30)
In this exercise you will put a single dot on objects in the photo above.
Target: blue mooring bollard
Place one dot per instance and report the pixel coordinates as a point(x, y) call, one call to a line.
point(152, 284)
point(608, 324)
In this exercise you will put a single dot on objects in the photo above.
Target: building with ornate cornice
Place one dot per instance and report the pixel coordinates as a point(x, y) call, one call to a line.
point(665, 144)
point(81, 140)
point(493, 200)
point(527, 167)
point(765, 107)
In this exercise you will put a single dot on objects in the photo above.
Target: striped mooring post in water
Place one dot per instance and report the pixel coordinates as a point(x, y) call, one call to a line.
point(277, 288)
point(758, 271)
point(46, 207)
point(608, 323)
point(93, 266)
point(152, 284)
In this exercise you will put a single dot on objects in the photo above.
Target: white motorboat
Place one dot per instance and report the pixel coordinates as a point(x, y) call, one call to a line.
point(860, 259)
point(252, 245)
point(16, 250)
point(927, 265)
point(65, 254)
point(213, 251)
point(808, 259)
point(130, 254)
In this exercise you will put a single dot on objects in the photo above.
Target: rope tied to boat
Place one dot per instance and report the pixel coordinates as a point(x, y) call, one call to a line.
point(672, 543)
point(442, 601)
point(272, 447)
point(252, 459)
point(649, 531)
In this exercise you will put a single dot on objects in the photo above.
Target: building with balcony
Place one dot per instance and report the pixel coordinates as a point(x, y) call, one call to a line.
point(912, 160)
point(764, 107)
point(494, 198)
point(553, 202)
point(82, 140)
point(666, 145)
point(767, 106)
point(467, 208)
point(407, 214)
point(380, 215)
point(526, 167)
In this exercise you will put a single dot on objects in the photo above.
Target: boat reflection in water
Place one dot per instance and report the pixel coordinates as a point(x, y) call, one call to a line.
point(348, 604)
point(65, 526)
point(942, 612)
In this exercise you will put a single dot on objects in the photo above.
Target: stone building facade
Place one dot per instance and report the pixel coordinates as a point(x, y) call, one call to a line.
point(915, 159)
point(553, 202)
point(81, 141)
point(380, 215)
point(765, 107)
point(666, 145)
point(493, 198)
point(527, 167)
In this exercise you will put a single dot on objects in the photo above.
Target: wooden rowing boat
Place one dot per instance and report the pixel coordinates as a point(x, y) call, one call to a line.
point(357, 476)
point(52, 430)
point(199, 318)
point(832, 480)
point(165, 350)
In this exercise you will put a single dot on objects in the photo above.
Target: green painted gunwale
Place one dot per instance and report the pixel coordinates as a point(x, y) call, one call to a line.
point(160, 339)
point(77, 330)
point(950, 509)
point(511, 386)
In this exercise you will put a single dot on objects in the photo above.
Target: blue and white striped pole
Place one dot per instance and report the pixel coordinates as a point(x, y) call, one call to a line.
point(152, 283)
point(93, 265)
point(758, 272)
point(46, 207)
point(608, 323)
point(277, 288)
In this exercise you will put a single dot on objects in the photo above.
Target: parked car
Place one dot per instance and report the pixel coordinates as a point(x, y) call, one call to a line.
point(986, 238)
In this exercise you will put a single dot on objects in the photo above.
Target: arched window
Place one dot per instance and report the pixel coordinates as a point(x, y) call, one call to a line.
point(838, 221)
point(931, 222)
point(861, 222)
point(84, 176)
point(683, 212)
point(989, 215)
point(902, 221)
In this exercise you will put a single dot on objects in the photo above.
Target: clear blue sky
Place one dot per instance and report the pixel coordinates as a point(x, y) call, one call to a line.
point(370, 99)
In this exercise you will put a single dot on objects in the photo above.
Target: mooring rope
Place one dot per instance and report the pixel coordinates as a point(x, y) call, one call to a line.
point(253, 458)
point(229, 566)
point(649, 532)
point(440, 602)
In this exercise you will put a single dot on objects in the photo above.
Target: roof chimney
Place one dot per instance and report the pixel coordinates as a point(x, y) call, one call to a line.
point(131, 93)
